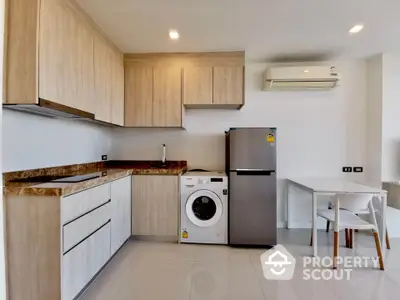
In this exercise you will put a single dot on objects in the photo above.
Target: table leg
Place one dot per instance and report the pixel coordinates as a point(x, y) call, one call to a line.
point(314, 224)
point(289, 223)
point(382, 227)
point(336, 233)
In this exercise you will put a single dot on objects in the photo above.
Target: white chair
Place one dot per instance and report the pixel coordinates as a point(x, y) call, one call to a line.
point(364, 212)
point(344, 216)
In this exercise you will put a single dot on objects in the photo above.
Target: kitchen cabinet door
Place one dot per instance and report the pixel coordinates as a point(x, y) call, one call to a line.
point(81, 263)
point(138, 96)
point(65, 56)
point(121, 212)
point(155, 201)
point(197, 85)
point(228, 85)
point(117, 104)
point(103, 65)
point(84, 77)
point(167, 103)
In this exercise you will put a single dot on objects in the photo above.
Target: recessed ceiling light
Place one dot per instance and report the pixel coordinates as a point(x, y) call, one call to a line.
point(356, 28)
point(306, 71)
point(173, 34)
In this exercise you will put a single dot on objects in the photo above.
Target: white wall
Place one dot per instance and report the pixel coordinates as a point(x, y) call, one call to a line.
point(383, 126)
point(383, 141)
point(32, 141)
point(318, 132)
point(391, 117)
point(374, 120)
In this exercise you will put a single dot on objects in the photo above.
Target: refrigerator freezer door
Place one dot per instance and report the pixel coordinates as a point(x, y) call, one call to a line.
point(252, 148)
point(252, 209)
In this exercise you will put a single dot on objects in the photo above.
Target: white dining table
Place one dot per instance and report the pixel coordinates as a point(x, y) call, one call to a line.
point(331, 187)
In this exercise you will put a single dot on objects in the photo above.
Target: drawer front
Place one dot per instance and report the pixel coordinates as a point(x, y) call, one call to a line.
point(84, 261)
point(78, 230)
point(80, 203)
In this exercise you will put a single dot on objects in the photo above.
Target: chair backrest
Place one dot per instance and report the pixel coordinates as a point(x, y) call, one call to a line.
point(376, 203)
point(354, 202)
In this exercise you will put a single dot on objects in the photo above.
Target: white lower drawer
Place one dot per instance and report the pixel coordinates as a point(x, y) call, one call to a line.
point(78, 230)
point(75, 205)
point(83, 262)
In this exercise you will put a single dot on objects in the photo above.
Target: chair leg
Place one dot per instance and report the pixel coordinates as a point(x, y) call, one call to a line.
point(387, 240)
point(327, 226)
point(336, 248)
point(379, 251)
point(347, 237)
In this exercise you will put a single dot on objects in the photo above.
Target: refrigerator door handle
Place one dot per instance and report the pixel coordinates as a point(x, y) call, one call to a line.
point(254, 172)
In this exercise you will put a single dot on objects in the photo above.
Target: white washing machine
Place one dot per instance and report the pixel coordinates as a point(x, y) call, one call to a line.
point(204, 208)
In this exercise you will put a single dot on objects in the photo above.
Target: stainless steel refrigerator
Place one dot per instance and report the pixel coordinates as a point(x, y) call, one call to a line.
point(251, 167)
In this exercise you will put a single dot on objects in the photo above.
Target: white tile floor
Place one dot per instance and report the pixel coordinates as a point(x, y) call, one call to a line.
point(149, 270)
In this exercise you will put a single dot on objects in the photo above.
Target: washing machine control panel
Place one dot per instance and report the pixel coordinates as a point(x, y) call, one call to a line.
point(189, 181)
point(203, 180)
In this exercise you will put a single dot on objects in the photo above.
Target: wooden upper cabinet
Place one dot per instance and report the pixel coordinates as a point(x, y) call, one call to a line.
point(228, 85)
point(117, 101)
point(108, 83)
point(21, 55)
point(197, 85)
point(103, 64)
point(65, 56)
point(167, 101)
point(84, 79)
point(54, 51)
point(153, 96)
point(213, 80)
point(138, 96)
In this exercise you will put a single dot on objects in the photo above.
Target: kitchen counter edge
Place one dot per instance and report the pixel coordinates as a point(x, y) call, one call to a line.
point(71, 188)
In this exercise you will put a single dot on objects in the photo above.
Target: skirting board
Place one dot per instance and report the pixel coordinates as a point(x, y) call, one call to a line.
point(155, 238)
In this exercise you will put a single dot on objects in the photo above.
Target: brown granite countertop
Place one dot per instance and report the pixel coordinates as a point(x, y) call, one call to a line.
point(63, 189)
point(107, 171)
point(149, 167)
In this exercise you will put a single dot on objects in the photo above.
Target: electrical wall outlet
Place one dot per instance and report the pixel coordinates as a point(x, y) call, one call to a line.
point(347, 169)
point(104, 157)
point(358, 169)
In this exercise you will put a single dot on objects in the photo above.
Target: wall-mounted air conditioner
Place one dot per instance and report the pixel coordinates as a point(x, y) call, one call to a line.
point(300, 78)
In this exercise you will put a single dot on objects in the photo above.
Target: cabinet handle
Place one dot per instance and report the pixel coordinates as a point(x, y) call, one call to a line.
point(76, 245)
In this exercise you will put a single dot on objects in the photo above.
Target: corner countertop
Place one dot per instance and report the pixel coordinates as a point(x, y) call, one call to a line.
point(107, 172)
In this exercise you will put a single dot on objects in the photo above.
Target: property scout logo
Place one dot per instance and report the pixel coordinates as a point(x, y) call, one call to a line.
point(279, 264)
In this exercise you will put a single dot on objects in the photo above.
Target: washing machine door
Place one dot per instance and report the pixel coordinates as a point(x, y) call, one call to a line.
point(204, 208)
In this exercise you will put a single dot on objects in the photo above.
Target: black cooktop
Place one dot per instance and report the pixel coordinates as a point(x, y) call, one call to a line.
point(38, 179)
point(77, 178)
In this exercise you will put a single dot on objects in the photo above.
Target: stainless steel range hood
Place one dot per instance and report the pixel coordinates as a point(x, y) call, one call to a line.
point(51, 109)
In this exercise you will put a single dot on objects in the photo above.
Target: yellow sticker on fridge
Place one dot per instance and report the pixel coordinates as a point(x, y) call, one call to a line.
point(270, 138)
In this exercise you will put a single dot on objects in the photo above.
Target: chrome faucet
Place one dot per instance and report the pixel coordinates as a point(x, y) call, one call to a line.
point(164, 154)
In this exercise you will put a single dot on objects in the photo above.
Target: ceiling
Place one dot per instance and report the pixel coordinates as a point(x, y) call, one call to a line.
point(269, 30)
